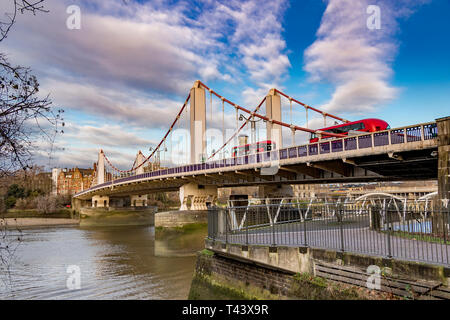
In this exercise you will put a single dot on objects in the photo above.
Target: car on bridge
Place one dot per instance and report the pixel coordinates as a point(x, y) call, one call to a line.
point(349, 128)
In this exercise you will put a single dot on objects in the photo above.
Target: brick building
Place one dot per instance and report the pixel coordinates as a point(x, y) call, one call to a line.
point(74, 180)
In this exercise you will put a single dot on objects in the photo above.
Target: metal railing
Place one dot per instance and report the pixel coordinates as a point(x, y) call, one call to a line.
point(419, 132)
point(413, 233)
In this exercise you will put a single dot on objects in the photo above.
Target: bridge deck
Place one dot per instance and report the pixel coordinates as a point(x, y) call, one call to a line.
point(369, 155)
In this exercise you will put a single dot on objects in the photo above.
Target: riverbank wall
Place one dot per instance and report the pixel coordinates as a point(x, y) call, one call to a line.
point(32, 218)
point(263, 272)
point(34, 213)
point(109, 216)
point(180, 218)
point(220, 278)
point(34, 222)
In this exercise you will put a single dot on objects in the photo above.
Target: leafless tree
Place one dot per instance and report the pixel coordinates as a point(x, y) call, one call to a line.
point(26, 118)
point(25, 115)
point(18, 6)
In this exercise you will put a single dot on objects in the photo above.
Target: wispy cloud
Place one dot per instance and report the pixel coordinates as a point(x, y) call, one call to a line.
point(132, 63)
point(353, 58)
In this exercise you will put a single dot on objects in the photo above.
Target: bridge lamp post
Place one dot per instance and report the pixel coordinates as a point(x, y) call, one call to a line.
point(253, 122)
point(158, 156)
point(224, 153)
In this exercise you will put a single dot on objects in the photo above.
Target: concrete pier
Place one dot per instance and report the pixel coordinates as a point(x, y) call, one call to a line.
point(176, 219)
point(109, 216)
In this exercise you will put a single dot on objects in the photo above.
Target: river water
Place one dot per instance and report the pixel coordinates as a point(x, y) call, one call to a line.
point(113, 263)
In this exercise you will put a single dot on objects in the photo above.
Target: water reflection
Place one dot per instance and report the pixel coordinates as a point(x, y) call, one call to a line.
point(115, 263)
point(179, 244)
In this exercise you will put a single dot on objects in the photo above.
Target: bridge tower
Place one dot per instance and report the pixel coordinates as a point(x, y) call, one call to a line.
point(139, 200)
point(273, 111)
point(139, 161)
point(192, 195)
point(97, 200)
point(101, 168)
point(198, 123)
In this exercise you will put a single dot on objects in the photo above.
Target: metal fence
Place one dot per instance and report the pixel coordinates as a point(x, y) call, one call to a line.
point(412, 233)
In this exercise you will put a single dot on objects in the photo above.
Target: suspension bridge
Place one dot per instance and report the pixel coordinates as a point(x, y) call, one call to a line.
point(413, 152)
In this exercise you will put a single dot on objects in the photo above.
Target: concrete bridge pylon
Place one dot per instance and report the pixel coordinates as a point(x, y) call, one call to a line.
point(198, 123)
point(138, 163)
point(197, 197)
point(273, 112)
point(101, 168)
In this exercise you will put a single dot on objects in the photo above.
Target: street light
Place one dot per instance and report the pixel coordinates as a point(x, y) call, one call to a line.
point(252, 123)
point(158, 157)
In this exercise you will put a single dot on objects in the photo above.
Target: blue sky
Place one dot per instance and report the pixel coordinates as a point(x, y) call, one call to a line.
point(123, 76)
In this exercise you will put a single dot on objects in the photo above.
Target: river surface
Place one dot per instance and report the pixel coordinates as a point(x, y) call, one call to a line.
point(114, 263)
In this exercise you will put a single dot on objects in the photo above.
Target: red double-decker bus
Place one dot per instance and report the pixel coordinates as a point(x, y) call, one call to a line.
point(365, 125)
point(247, 149)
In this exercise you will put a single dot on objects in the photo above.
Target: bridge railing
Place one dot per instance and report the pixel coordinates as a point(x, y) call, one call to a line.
point(413, 234)
point(414, 133)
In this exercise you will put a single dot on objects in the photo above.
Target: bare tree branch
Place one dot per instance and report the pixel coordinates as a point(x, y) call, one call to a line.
point(18, 6)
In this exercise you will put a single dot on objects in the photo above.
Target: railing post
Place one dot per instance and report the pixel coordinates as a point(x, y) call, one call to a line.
point(215, 224)
point(422, 133)
point(405, 136)
point(226, 226)
point(273, 232)
point(446, 226)
point(304, 229)
point(388, 233)
point(389, 137)
point(341, 229)
point(246, 227)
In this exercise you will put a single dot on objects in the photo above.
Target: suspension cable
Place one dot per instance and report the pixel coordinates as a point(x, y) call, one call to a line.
point(159, 144)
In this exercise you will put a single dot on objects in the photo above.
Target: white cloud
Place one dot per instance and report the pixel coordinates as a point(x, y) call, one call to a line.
point(133, 63)
point(353, 58)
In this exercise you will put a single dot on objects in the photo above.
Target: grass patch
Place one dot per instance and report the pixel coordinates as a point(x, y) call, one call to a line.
point(186, 229)
point(207, 252)
point(204, 288)
point(308, 287)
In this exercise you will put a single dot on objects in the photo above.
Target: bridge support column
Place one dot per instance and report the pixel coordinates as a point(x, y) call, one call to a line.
point(273, 111)
point(77, 204)
point(443, 127)
point(101, 168)
point(277, 191)
point(197, 197)
point(198, 123)
point(100, 202)
point(140, 200)
point(139, 160)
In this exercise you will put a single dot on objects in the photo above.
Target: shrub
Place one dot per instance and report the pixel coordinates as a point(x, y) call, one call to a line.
point(47, 204)
point(10, 202)
point(2, 205)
